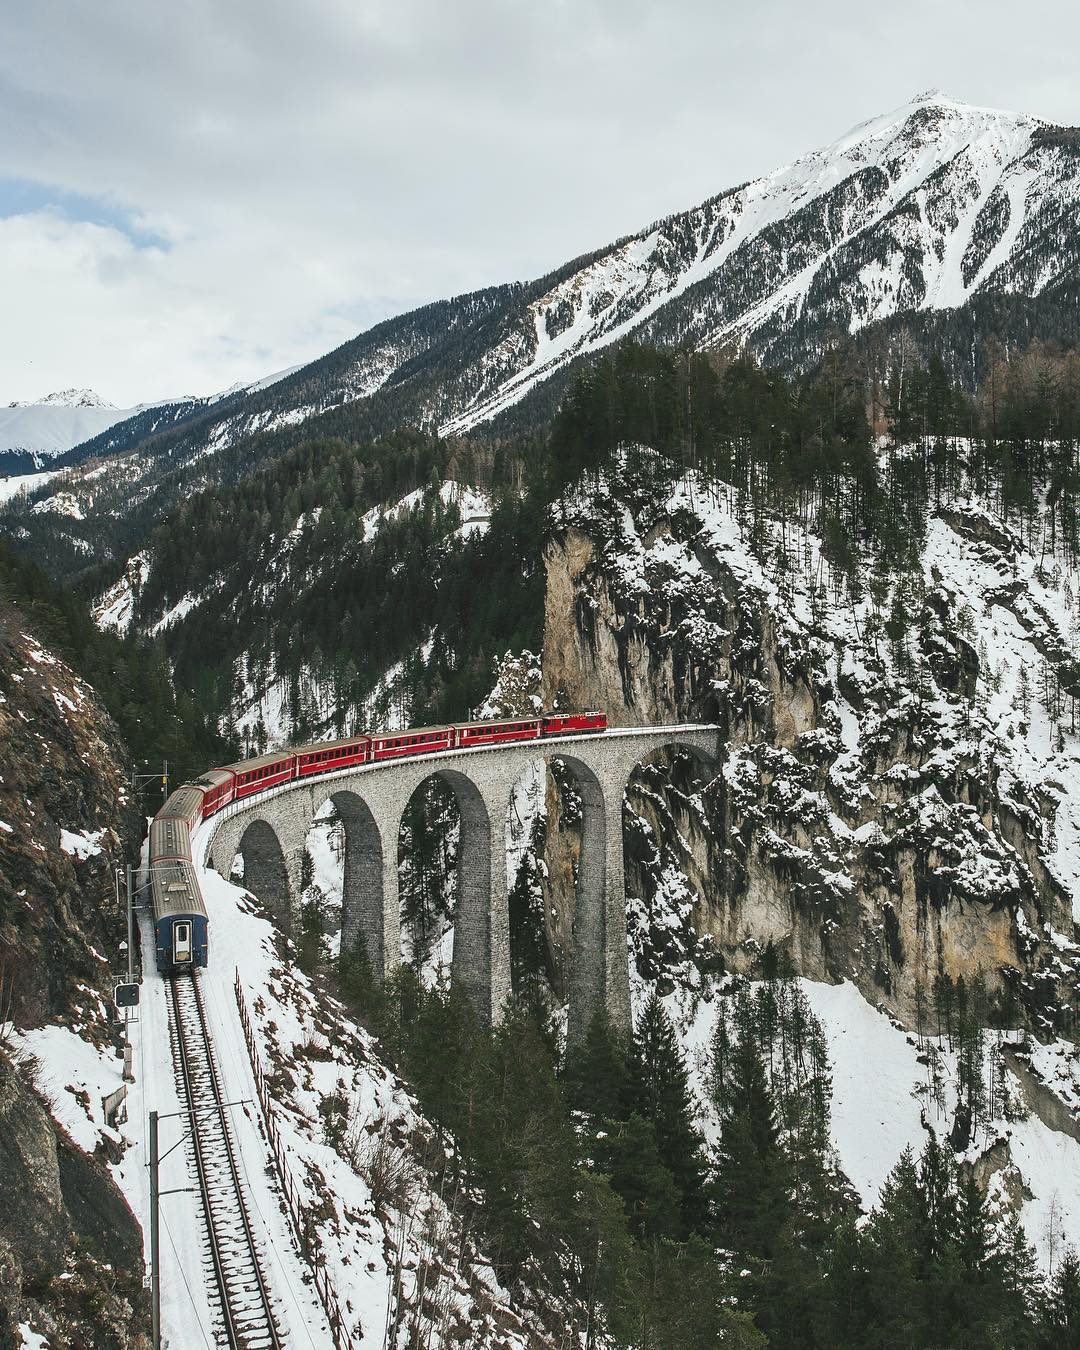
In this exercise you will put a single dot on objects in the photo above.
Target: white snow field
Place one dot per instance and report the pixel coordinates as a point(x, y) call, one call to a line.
point(23, 484)
point(57, 423)
point(881, 1105)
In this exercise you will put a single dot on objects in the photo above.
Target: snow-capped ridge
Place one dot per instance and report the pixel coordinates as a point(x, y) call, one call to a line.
point(66, 398)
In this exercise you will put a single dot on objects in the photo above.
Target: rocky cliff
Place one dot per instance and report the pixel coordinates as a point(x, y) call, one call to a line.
point(895, 803)
point(70, 1249)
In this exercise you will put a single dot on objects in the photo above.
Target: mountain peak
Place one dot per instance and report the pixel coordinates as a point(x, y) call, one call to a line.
point(934, 96)
point(66, 398)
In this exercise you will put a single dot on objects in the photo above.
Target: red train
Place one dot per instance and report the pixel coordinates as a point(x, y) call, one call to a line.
point(218, 787)
point(180, 921)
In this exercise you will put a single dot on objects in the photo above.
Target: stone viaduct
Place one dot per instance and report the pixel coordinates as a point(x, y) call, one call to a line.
point(270, 833)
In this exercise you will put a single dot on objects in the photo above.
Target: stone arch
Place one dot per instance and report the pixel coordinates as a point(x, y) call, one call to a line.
point(683, 767)
point(706, 759)
point(362, 909)
point(534, 935)
point(481, 961)
point(266, 874)
point(599, 972)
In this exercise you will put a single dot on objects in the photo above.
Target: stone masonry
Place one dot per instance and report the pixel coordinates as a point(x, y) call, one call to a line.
point(270, 834)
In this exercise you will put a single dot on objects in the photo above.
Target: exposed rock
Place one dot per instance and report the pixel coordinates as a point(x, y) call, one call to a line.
point(869, 818)
point(70, 1249)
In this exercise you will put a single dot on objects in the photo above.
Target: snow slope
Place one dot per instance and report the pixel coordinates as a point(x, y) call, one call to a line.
point(321, 1064)
point(881, 1106)
point(57, 423)
point(917, 209)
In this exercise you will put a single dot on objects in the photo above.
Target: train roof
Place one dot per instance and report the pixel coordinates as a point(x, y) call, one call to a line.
point(185, 802)
point(175, 889)
point(170, 837)
point(214, 777)
point(413, 731)
point(314, 747)
point(259, 761)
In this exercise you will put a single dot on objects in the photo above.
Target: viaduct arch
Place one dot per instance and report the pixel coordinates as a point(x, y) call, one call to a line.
point(271, 832)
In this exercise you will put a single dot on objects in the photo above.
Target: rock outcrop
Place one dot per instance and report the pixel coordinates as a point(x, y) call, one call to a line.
point(70, 1249)
point(888, 810)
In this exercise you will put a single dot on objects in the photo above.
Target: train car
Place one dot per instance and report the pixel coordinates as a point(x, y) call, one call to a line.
point(181, 940)
point(170, 838)
point(256, 775)
point(218, 787)
point(564, 724)
point(493, 733)
point(325, 756)
point(415, 741)
point(185, 804)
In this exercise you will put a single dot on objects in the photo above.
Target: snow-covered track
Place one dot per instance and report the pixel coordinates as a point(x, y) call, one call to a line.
point(247, 1316)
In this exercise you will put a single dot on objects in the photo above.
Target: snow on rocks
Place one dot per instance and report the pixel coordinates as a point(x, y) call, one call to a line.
point(81, 844)
point(115, 608)
point(473, 506)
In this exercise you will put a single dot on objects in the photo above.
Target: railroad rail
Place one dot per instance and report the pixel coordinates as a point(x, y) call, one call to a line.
point(247, 1315)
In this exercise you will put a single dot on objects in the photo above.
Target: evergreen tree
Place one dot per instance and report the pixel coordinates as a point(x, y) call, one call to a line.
point(1060, 1322)
point(752, 1174)
point(626, 1152)
point(659, 1091)
point(597, 1080)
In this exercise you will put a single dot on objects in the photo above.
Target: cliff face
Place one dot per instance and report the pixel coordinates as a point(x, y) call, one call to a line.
point(894, 801)
point(63, 804)
point(70, 1249)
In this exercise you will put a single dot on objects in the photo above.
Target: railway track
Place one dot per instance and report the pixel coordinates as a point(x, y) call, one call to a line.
point(246, 1312)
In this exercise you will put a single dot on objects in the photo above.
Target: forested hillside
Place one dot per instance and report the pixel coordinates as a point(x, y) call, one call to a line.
point(158, 720)
point(867, 575)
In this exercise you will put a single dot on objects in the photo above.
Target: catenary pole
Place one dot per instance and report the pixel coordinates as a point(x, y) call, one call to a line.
point(155, 1260)
point(130, 927)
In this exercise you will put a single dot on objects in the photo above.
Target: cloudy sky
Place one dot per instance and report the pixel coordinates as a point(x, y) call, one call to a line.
point(197, 194)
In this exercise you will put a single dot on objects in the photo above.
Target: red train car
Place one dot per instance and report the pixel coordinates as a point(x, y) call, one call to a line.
point(415, 741)
point(492, 733)
point(323, 757)
point(256, 775)
point(562, 724)
point(218, 787)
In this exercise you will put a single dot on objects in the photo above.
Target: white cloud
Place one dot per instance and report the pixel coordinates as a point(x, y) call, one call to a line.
point(314, 167)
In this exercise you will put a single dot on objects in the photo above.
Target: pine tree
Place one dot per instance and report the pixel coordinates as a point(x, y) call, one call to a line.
point(1060, 1322)
point(596, 1073)
point(893, 1311)
point(687, 1302)
point(626, 1152)
point(752, 1172)
point(659, 1090)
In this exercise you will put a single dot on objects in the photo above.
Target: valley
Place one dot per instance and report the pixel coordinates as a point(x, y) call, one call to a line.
point(799, 470)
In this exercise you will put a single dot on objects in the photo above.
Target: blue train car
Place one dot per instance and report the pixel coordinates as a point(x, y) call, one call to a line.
point(180, 926)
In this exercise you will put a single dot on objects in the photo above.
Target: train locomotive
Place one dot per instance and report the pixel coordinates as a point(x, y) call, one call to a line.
point(181, 938)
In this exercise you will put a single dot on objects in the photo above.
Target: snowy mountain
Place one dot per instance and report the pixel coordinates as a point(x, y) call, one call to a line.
point(938, 216)
point(920, 209)
point(31, 434)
